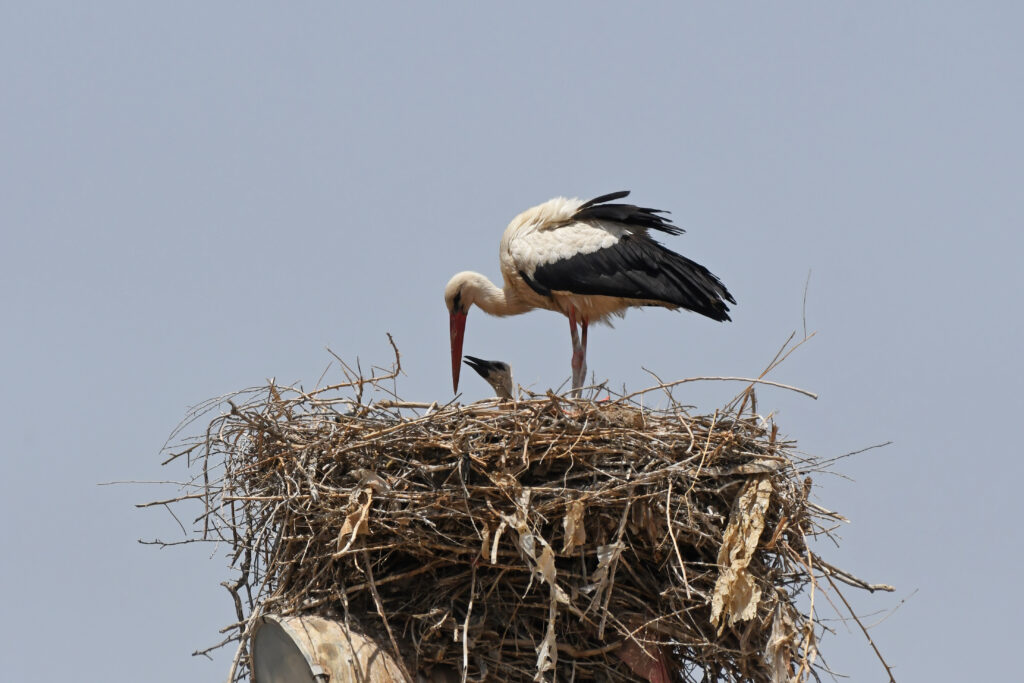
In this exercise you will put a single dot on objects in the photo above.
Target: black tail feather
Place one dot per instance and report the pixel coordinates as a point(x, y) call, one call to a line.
point(628, 214)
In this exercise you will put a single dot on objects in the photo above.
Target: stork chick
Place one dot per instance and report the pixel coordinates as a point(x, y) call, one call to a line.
point(497, 373)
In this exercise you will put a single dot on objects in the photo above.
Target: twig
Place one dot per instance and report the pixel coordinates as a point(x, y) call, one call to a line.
point(751, 380)
point(878, 654)
point(399, 658)
point(852, 580)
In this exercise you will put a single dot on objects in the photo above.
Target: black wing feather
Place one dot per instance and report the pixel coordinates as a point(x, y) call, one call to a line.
point(628, 214)
point(610, 197)
point(637, 267)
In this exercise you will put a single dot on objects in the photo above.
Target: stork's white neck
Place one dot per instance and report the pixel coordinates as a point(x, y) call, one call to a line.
point(477, 289)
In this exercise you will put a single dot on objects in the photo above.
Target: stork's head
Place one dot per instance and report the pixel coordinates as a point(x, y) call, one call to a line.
point(497, 373)
point(457, 297)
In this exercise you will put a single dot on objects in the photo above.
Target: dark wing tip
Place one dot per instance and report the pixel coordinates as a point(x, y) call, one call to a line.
point(719, 312)
point(718, 306)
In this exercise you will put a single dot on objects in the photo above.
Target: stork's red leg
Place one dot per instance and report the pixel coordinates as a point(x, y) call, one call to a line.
point(578, 352)
point(584, 324)
point(572, 328)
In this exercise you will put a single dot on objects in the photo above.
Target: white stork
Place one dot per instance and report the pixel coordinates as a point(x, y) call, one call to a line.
point(589, 261)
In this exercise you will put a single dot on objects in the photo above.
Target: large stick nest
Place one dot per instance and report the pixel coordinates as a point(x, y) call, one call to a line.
point(547, 538)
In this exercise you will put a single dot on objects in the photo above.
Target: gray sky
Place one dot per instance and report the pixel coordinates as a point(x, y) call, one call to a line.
point(197, 197)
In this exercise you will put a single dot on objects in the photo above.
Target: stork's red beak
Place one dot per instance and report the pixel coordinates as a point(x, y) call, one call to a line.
point(457, 323)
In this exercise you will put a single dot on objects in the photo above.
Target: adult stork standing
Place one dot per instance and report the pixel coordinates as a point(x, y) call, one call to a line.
point(589, 261)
